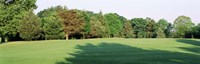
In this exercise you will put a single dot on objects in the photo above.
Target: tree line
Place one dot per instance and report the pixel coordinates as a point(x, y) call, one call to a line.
point(18, 22)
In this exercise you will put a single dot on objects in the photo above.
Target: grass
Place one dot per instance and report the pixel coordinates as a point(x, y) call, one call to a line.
point(102, 51)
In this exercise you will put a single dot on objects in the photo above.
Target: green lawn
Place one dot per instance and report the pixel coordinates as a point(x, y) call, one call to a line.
point(102, 51)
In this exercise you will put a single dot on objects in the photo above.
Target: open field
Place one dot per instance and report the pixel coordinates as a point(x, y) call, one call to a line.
point(102, 51)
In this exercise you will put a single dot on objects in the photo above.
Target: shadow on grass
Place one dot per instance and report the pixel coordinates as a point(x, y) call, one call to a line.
point(111, 53)
point(187, 41)
point(195, 49)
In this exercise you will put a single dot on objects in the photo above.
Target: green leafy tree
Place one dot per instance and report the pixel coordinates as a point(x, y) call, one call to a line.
point(51, 23)
point(29, 28)
point(168, 31)
point(104, 31)
point(99, 28)
point(95, 24)
point(162, 23)
point(114, 23)
point(139, 26)
point(141, 34)
point(95, 27)
point(160, 33)
point(86, 15)
point(128, 31)
point(53, 28)
point(196, 31)
point(182, 25)
point(12, 12)
point(150, 28)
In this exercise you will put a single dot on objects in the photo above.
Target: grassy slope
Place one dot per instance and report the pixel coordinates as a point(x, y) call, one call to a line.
point(102, 51)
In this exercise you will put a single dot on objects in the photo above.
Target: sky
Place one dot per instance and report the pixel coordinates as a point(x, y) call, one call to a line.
point(155, 9)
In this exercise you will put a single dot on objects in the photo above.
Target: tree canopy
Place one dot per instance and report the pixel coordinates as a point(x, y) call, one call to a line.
point(12, 12)
point(182, 25)
point(18, 22)
point(72, 21)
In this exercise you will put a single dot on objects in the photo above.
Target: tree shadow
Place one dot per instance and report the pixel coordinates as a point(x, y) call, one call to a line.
point(112, 53)
point(187, 41)
point(195, 49)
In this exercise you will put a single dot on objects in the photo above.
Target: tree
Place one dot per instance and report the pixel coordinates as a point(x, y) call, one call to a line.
point(196, 31)
point(139, 26)
point(182, 25)
point(86, 15)
point(141, 34)
point(104, 31)
point(168, 31)
point(53, 28)
point(95, 27)
point(163, 24)
point(51, 23)
point(73, 23)
point(99, 28)
point(95, 24)
point(160, 33)
point(128, 31)
point(150, 28)
point(114, 23)
point(11, 14)
point(29, 28)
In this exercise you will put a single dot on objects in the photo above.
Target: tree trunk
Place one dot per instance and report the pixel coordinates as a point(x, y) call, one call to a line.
point(83, 35)
point(3, 39)
point(66, 35)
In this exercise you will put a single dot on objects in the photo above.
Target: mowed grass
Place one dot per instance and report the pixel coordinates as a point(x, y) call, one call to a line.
point(102, 51)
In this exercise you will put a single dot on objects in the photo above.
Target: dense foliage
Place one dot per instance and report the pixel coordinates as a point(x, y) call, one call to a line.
point(73, 23)
point(51, 23)
point(12, 12)
point(182, 26)
point(29, 28)
point(18, 22)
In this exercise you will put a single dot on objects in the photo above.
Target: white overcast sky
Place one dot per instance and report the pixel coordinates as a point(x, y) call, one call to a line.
point(156, 9)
